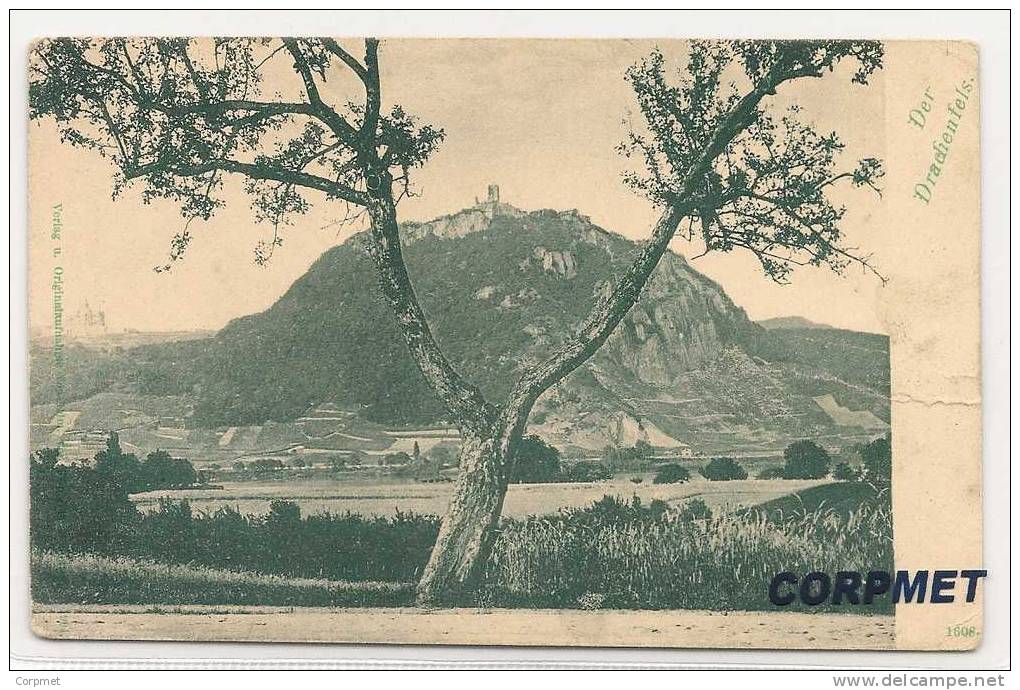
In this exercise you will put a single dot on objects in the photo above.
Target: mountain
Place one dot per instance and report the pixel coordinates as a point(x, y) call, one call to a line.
point(502, 289)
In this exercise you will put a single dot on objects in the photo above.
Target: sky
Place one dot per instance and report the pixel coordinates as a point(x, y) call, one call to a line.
point(539, 118)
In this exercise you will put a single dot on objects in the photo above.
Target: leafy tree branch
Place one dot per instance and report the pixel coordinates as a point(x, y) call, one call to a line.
point(719, 164)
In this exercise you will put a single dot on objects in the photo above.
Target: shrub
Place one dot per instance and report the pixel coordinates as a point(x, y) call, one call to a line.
point(586, 472)
point(723, 469)
point(77, 508)
point(612, 554)
point(536, 462)
point(844, 473)
point(169, 532)
point(671, 474)
point(284, 513)
point(643, 449)
point(611, 509)
point(877, 460)
point(400, 458)
point(695, 509)
point(805, 460)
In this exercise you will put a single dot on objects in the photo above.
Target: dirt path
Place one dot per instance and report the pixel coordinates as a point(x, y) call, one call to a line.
point(468, 626)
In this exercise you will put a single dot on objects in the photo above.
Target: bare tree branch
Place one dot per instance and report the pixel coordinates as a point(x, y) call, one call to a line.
point(348, 59)
point(256, 172)
point(373, 93)
point(341, 128)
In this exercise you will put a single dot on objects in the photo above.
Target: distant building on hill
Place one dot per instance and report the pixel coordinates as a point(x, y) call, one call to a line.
point(492, 206)
point(87, 322)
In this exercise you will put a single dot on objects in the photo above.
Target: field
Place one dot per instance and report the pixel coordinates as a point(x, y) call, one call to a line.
point(381, 497)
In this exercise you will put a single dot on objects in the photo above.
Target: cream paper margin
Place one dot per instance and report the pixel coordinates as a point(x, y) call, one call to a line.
point(931, 307)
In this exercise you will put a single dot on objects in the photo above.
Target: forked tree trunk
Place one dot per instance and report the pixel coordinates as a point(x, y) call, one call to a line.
point(490, 435)
point(468, 531)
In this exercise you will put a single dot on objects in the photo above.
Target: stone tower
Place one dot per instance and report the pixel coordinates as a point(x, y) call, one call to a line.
point(493, 194)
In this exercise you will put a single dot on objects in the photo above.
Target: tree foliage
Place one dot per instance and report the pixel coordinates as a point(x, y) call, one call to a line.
point(76, 508)
point(585, 471)
point(722, 165)
point(158, 471)
point(536, 462)
point(176, 115)
point(671, 473)
point(623, 456)
point(805, 460)
point(747, 177)
point(723, 469)
point(877, 460)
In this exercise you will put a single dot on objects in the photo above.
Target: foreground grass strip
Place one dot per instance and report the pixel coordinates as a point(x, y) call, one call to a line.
point(90, 579)
point(721, 563)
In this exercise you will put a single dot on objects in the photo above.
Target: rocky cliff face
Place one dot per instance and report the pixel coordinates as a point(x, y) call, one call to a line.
point(681, 323)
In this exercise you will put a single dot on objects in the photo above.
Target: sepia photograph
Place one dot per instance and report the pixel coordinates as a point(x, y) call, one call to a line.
point(656, 343)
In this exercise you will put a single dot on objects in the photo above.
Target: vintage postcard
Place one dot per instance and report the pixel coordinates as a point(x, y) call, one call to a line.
point(614, 343)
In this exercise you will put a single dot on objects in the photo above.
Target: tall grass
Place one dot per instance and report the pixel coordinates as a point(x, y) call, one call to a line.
point(724, 562)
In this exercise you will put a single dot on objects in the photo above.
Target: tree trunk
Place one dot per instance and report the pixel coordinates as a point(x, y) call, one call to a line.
point(466, 535)
point(468, 531)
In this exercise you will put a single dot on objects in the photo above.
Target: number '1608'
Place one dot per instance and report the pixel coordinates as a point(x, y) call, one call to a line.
point(961, 631)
